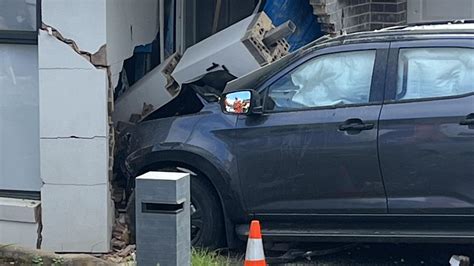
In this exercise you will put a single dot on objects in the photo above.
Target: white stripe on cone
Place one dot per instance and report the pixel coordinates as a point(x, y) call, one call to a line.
point(254, 250)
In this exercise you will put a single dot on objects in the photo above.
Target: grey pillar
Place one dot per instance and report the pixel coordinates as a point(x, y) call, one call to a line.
point(163, 225)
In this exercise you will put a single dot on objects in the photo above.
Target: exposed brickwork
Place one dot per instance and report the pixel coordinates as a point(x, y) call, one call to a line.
point(337, 16)
point(386, 13)
point(355, 15)
point(329, 14)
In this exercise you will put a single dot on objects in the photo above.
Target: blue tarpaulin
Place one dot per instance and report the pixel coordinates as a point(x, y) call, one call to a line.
point(301, 13)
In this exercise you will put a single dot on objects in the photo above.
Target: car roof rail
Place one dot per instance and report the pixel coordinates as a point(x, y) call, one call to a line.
point(317, 41)
point(426, 23)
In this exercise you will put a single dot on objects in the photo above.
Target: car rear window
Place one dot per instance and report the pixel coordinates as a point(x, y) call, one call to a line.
point(434, 72)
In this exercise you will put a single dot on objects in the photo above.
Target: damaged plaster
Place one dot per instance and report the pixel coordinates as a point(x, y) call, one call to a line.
point(80, 59)
point(98, 59)
point(88, 30)
point(74, 145)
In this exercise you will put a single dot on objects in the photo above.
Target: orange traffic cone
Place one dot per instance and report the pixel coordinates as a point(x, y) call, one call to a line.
point(254, 255)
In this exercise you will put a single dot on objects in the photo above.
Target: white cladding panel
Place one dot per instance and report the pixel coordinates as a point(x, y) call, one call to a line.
point(432, 10)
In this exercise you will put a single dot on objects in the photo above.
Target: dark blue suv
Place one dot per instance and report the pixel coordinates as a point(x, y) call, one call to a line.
point(362, 137)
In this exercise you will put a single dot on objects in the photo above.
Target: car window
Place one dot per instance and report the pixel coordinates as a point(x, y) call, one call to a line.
point(434, 72)
point(328, 80)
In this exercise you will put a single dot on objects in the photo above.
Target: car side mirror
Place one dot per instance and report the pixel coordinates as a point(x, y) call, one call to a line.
point(242, 102)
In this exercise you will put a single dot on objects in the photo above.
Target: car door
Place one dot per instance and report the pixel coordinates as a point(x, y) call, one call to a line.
point(426, 130)
point(314, 150)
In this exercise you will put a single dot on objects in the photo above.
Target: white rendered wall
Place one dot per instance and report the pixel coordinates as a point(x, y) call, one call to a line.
point(77, 211)
point(19, 222)
point(73, 118)
point(129, 23)
point(82, 21)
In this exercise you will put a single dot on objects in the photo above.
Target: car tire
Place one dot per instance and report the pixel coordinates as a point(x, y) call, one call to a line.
point(207, 221)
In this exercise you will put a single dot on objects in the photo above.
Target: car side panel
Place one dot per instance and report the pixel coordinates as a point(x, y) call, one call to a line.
point(426, 156)
point(299, 162)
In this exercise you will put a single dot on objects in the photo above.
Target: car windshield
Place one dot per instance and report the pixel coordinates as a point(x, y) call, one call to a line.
point(250, 80)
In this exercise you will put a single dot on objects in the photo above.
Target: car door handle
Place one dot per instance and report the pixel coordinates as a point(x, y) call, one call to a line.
point(469, 120)
point(356, 125)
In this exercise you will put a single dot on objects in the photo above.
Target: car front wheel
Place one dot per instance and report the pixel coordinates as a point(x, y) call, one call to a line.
point(207, 223)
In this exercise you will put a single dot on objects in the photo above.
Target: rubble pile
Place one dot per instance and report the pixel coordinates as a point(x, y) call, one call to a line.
point(122, 250)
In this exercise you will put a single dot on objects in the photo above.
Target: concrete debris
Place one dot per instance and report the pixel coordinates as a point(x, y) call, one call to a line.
point(120, 234)
point(117, 244)
point(123, 253)
point(329, 13)
point(149, 93)
point(239, 49)
point(257, 39)
point(118, 193)
point(127, 254)
point(126, 251)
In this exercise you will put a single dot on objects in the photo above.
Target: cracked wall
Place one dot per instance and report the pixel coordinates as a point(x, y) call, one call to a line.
point(74, 142)
point(82, 45)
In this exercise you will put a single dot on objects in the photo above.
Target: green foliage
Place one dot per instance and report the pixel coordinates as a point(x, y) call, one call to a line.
point(37, 260)
point(58, 261)
point(209, 258)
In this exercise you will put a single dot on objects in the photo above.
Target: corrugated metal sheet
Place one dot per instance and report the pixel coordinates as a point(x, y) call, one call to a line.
point(301, 13)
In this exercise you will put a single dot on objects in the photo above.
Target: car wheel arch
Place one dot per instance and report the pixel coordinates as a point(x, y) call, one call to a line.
point(197, 165)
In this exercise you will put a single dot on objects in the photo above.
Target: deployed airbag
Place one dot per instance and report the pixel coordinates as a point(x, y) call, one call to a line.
point(435, 72)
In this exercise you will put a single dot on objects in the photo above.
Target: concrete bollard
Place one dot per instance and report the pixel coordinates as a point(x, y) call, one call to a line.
point(163, 223)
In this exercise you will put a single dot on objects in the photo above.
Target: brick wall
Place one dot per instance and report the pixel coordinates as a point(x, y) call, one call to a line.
point(329, 14)
point(386, 13)
point(338, 16)
point(355, 15)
